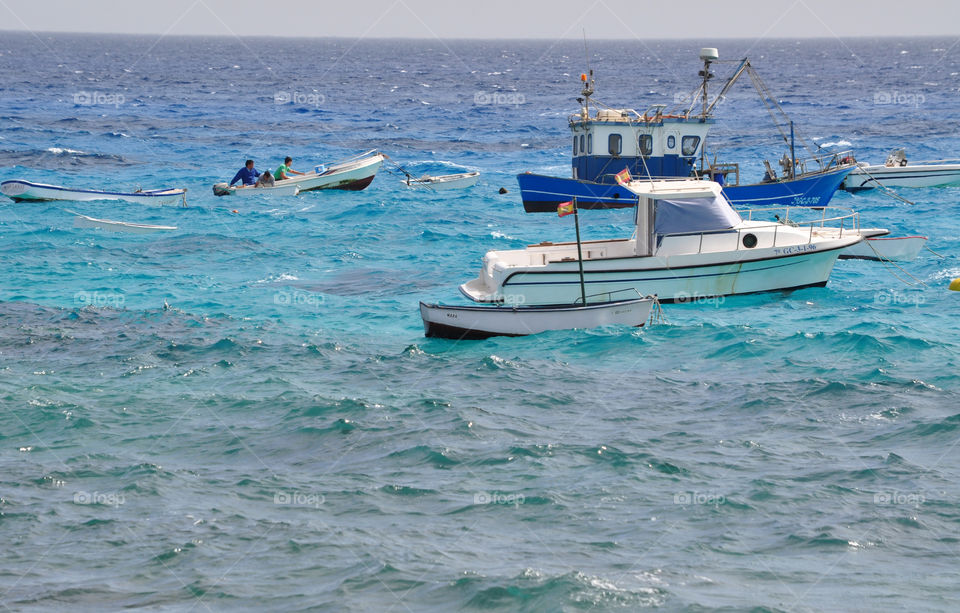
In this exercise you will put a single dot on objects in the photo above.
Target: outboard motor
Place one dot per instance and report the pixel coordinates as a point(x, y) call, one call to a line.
point(897, 157)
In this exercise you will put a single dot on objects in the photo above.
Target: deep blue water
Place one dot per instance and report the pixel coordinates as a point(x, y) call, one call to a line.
point(282, 437)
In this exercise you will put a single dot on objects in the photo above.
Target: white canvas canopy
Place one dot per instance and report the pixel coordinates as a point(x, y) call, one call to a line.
point(679, 207)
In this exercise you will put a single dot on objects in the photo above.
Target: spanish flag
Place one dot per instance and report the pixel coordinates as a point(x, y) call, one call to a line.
point(565, 208)
point(623, 176)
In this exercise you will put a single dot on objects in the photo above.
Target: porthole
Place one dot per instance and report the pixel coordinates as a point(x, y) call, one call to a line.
point(749, 241)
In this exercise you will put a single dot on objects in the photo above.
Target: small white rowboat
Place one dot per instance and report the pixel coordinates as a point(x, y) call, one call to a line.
point(479, 322)
point(82, 221)
point(444, 182)
point(27, 191)
point(222, 189)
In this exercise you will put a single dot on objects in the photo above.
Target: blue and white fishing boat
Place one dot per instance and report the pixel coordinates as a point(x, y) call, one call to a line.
point(661, 144)
point(27, 191)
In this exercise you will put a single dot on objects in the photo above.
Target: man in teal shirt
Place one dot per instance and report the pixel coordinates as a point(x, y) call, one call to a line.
point(284, 171)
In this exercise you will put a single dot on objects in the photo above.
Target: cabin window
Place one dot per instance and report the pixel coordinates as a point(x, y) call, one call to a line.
point(689, 144)
point(671, 141)
point(614, 144)
point(581, 144)
point(574, 145)
point(589, 144)
point(645, 144)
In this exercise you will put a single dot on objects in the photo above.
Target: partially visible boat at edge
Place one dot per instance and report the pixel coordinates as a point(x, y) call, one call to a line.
point(897, 172)
point(27, 191)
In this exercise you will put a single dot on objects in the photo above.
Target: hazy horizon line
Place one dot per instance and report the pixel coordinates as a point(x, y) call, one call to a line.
point(472, 38)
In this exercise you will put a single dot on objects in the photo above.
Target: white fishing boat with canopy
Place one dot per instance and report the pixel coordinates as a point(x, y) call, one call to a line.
point(688, 244)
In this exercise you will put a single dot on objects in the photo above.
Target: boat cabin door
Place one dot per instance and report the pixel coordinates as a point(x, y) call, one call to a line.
point(671, 155)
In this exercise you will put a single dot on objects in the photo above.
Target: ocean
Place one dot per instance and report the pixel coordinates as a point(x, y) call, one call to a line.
point(244, 414)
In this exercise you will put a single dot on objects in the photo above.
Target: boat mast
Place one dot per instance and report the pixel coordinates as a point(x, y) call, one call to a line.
point(576, 224)
point(586, 93)
point(793, 156)
point(708, 55)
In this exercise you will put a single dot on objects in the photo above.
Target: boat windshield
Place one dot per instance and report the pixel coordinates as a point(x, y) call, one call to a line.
point(683, 215)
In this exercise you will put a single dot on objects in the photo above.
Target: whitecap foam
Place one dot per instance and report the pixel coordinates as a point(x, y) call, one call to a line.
point(62, 150)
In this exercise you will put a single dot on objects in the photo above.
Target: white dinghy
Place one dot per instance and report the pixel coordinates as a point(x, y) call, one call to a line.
point(896, 172)
point(83, 221)
point(688, 244)
point(479, 322)
point(443, 182)
point(27, 191)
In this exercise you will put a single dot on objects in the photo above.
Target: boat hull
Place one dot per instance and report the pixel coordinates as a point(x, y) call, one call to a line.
point(560, 283)
point(887, 248)
point(542, 194)
point(480, 322)
point(920, 175)
point(353, 175)
point(27, 191)
point(814, 191)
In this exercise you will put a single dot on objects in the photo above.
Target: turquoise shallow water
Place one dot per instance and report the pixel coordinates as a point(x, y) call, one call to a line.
point(282, 437)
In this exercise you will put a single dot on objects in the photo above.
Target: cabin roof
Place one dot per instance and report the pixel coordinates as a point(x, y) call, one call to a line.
point(676, 188)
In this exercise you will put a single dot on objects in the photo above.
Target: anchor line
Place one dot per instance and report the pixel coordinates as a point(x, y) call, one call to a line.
point(886, 261)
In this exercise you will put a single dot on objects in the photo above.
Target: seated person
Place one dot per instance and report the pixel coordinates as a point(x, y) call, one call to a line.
point(284, 171)
point(247, 175)
point(265, 180)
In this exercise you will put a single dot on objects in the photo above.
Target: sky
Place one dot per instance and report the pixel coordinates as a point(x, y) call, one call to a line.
point(543, 19)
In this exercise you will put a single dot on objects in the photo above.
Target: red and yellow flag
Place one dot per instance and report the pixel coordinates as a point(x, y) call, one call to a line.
point(623, 176)
point(565, 208)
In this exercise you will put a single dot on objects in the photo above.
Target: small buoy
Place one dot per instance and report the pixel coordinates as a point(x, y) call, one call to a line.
point(955, 285)
point(503, 190)
point(234, 211)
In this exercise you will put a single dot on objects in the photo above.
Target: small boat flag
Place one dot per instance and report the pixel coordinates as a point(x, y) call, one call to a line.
point(565, 208)
point(623, 176)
